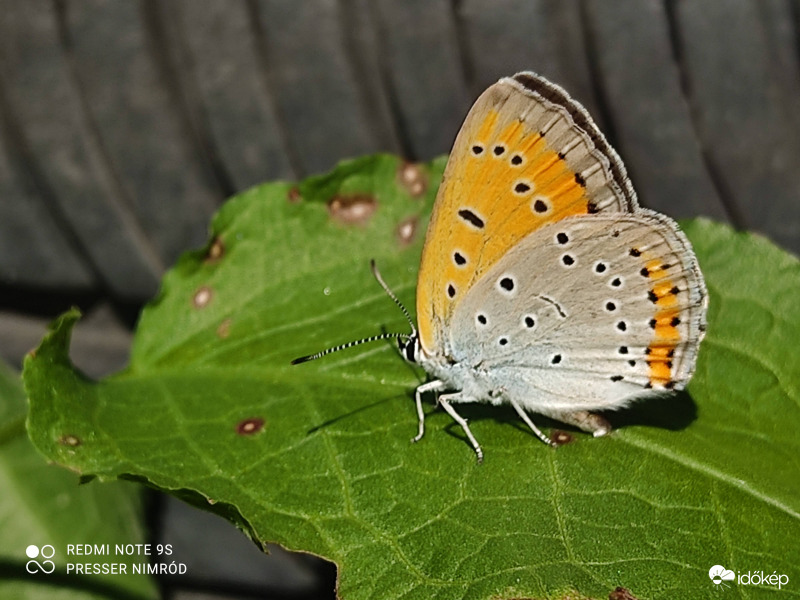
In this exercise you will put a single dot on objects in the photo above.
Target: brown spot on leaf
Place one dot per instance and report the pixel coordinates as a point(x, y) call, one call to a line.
point(202, 296)
point(293, 195)
point(32, 353)
point(405, 231)
point(215, 251)
point(211, 501)
point(250, 426)
point(621, 593)
point(413, 178)
point(560, 438)
point(69, 440)
point(224, 329)
point(352, 210)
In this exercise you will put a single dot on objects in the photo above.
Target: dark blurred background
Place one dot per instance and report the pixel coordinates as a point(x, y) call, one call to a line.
point(125, 124)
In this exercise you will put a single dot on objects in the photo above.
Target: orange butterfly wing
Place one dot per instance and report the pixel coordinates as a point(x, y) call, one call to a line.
point(527, 155)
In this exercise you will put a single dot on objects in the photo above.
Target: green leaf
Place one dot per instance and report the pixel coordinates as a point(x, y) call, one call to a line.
point(316, 457)
point(43, 505)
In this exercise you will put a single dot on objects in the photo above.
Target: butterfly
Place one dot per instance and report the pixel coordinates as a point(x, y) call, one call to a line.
point(543, 284)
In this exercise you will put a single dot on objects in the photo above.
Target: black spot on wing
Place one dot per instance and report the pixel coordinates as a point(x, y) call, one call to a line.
point(471, 218)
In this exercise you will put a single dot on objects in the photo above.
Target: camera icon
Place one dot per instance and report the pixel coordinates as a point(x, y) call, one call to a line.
point(45, 566)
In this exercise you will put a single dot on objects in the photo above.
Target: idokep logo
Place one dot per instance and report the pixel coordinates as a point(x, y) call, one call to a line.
point(719, 575)
point(46, 552)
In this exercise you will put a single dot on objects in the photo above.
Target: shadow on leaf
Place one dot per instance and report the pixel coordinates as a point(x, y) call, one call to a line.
point(673, 412)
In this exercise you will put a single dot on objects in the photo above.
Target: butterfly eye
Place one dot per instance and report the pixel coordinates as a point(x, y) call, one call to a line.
point(408, 348)
point(410, 352)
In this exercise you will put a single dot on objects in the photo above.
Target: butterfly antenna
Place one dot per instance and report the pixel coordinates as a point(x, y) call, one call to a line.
point(391, 295)
point(374, 338)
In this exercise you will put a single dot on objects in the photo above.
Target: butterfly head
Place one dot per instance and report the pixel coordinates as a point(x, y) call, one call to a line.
point(409, 347)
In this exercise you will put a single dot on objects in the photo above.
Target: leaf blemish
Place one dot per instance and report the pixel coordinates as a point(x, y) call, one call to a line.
point(202, 297)
point(352, 210)
point(413, 179)
point(561, 438)
point(69, 440)
point(406, 230)
point(621, 593)
point(215, 251)
point(224, 329)
point(293, 195)
point(250, 426)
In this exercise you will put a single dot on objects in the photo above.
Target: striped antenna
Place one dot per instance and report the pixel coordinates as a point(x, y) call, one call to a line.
point(391, 295)
point(374, 338)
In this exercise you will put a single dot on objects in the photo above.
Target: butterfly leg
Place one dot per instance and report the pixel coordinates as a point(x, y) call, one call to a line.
point(524, 416)
point(584, 420)
point(444, 401)
point(431, 386)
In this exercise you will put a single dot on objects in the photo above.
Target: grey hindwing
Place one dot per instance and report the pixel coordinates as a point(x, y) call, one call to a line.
point(564, 320)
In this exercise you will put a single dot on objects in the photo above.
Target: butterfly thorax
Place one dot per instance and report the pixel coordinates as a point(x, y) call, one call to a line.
point(471, 381)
